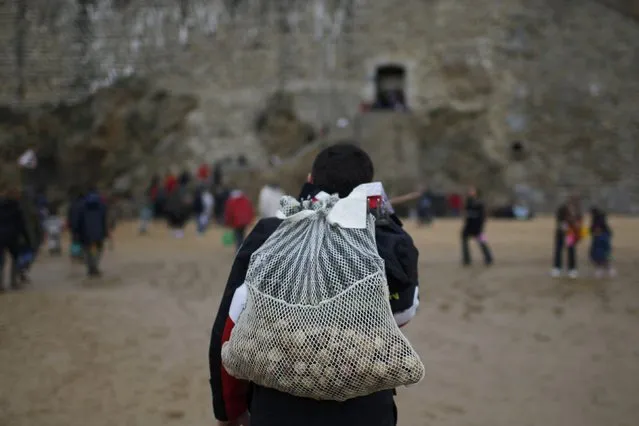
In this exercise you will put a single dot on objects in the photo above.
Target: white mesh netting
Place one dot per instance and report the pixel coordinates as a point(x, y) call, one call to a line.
point(317, 321)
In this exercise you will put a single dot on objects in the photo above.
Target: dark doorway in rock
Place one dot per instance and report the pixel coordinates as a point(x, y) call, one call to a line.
point(390, 87)
point(518, 151)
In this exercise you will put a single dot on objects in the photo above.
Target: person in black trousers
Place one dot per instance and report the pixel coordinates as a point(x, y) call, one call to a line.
point(567, 235)
point(13, 229)
point(474, 221)
point(92, 229)
point(76, 200)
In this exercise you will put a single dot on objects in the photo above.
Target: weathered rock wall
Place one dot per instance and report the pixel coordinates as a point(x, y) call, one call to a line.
point(558, 75)
point(115, 137)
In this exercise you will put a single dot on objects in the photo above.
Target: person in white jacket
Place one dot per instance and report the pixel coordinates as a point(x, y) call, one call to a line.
point(28, 159)
point(269, 200)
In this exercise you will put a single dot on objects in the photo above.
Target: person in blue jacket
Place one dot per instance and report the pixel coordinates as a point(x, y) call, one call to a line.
point(92, 230)
point(601, 244)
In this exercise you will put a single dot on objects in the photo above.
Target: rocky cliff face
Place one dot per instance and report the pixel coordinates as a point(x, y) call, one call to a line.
point(557, 76)
point(114, 137)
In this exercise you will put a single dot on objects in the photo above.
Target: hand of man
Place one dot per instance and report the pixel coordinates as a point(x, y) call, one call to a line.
point(243, 420)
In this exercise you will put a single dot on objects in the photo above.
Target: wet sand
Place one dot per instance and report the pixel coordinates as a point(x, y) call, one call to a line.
point(502, 346)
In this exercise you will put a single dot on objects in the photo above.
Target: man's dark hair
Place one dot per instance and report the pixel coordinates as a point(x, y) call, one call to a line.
point(340, 168)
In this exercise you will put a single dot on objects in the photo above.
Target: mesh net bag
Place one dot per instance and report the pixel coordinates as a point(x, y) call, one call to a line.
point(317, 321)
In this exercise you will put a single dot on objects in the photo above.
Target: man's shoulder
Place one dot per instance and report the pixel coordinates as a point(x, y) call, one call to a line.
point(262, 230)
point(391, 225)
point(265, 227)
point(391, 233)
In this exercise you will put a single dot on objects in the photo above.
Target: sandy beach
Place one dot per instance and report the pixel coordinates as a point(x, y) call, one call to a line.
point(503, 346)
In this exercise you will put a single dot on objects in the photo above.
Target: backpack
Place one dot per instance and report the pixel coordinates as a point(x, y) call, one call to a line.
point(317, 321)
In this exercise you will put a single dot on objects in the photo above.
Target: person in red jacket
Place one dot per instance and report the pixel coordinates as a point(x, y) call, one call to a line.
point(170, 183)
point(203, 172)
point(238, 215)
point(455, 204)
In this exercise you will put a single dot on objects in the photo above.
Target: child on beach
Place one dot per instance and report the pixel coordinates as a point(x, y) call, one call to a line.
point(202, 208)
point(601, 244)
point(53, 226)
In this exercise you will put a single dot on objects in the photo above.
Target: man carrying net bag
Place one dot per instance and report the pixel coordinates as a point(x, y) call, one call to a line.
point(308, 325)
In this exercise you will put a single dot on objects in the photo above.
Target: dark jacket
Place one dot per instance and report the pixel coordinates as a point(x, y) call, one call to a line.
point(270, 407)
point(12, 224)
point(33, 224)
point(475, 217)
point(198, 205)
point(220, 198)
point(567, 217)
point(178, 207)
point(91, 225)
point(599, 224)
point(601, 245)
point(72, 215)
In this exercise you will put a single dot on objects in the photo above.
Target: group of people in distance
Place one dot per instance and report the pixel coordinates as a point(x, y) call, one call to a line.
point(570, 230)
point(28, 221)
point(203, 202)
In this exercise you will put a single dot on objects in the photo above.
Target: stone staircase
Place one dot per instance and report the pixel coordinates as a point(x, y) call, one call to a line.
point(392, 142)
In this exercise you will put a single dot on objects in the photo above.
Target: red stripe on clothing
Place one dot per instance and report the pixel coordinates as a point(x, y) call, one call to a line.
point(235, 391)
